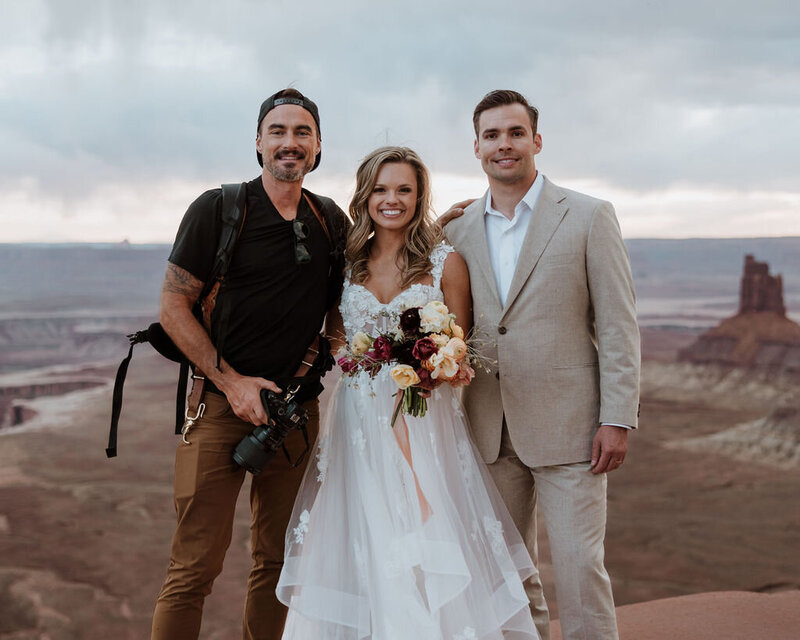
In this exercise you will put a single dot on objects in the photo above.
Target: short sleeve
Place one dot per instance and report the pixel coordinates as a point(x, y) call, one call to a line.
point(198, 235)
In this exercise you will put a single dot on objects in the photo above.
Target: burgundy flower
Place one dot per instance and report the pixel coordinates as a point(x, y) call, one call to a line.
point(425, 380)
point(382, 348)
point(424, 349)
point(409, 321)
point(347, 364)
point(403, 352)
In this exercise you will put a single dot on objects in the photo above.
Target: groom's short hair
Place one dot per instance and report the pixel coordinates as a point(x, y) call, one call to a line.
point(500, 98)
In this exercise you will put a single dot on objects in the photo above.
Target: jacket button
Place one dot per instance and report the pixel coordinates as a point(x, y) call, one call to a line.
point(501, 330)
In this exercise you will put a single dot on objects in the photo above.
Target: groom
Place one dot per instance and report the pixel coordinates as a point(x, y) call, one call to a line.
point(551, 285)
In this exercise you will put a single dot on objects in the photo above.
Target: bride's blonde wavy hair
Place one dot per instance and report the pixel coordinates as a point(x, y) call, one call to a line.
point(421, 234)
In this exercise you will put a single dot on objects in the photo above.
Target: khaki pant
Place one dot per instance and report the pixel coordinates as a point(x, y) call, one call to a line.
point(207, 483)
point(573, 502)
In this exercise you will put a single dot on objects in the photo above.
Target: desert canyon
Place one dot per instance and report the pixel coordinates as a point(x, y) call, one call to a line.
point(703, 519)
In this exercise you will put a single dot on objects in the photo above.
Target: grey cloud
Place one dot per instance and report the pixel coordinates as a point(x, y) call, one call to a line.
point(642, 95)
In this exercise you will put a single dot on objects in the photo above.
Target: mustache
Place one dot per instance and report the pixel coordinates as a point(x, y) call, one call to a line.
point(299, 155)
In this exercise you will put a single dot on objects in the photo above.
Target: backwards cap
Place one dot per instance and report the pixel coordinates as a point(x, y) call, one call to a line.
point(275, 101)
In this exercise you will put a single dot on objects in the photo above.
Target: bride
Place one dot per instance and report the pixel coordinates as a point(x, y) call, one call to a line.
point(398, 532)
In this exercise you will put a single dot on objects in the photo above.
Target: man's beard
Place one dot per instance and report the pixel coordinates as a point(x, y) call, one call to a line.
point(285, 174)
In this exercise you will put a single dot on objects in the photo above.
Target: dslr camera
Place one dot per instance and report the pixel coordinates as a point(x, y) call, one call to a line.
point(284, 413)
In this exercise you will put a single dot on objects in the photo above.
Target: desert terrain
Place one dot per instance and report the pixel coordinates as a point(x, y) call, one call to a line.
point(706, 500)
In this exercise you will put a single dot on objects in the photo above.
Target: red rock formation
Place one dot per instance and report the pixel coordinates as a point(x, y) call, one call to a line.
point(760, 335)
point(760, 291)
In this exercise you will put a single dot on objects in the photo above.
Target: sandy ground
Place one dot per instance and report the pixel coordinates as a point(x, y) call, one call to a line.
point(84, 540)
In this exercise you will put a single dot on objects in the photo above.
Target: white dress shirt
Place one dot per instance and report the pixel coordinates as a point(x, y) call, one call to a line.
point(505, 238)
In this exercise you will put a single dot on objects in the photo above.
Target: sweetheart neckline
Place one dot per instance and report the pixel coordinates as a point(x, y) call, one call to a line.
point(386, 304)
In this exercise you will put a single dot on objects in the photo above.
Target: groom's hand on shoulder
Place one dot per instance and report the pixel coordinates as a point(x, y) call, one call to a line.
point(455, 211)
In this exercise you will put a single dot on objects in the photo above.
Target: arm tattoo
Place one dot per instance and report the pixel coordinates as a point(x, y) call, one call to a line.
point(182, 282)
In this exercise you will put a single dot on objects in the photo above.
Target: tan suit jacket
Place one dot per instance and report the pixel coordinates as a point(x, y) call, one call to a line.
point(565, 348)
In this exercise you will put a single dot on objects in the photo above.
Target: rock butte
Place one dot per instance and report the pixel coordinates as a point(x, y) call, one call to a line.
point(759, 335)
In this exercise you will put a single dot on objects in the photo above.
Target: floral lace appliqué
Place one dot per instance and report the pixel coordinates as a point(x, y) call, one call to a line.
point(464, 461)
point(322, 459)
point(494, 529)
point(455, 404)
point(358, 439)
point(467, 634)
point(301, 529)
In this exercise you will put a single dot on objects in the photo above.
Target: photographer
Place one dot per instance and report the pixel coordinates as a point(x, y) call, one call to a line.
point(283, 275)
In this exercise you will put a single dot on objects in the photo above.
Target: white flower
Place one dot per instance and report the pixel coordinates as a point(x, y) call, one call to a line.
point(361, 343)
point(435, 317)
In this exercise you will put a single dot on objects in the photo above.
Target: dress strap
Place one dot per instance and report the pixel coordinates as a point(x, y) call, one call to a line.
point(437, 258)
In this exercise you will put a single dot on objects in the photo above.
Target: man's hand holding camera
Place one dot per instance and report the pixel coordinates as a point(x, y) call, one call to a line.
point(244, 394)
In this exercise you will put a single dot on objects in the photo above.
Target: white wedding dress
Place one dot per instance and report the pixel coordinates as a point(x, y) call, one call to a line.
point(364, 558)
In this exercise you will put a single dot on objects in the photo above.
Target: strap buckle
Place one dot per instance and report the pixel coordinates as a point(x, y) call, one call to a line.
point(190, 421)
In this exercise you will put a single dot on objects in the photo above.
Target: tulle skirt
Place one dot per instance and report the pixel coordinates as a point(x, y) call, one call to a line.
point(394, 541)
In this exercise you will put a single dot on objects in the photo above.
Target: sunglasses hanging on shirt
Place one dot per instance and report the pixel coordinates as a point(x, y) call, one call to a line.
point(302, 254)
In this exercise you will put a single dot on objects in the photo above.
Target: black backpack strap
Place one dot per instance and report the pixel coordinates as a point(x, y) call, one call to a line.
point(234, 209)
point(337, 223)
point(116, 398)
point(180, 397)
point(234, 212)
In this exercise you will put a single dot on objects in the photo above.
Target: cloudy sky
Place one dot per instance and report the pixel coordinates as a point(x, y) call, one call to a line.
point(116, 114)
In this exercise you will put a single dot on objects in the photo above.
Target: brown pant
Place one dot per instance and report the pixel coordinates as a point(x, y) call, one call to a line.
point(207, 483)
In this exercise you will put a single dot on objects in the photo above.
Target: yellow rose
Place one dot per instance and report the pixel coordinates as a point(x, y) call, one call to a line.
point(361, 343)
point(456, 348)
point(445, 366)
point(404, 376)
point(435, 316)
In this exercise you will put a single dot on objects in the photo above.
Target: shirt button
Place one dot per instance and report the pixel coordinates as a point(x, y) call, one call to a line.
point(502, 330)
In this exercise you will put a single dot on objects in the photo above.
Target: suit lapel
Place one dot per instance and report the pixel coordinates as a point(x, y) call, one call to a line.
point(479, 246)
point(546, 217)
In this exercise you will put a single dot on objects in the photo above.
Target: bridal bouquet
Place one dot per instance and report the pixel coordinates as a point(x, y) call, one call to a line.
point(425, 349)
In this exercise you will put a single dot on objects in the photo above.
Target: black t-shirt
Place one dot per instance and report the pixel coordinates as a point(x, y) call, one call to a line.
point(277, 306)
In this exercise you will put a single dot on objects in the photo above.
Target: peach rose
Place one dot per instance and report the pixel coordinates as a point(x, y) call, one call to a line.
point(444, 366)
point(456, 348)
point(404, 376)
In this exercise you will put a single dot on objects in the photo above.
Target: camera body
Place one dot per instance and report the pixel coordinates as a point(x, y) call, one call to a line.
point(257, 448)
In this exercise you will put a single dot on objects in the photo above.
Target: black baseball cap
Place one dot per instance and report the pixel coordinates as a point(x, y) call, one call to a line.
point(275, 100)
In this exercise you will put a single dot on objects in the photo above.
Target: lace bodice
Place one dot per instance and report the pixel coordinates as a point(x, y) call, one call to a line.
point(362, 311)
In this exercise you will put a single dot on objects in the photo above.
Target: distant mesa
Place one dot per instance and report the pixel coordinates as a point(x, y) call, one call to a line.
point(759, 335)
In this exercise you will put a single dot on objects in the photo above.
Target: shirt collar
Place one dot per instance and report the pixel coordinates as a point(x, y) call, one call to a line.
point(528, 200)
